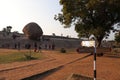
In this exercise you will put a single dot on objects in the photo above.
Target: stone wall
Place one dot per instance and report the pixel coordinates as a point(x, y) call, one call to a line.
point(57, 41)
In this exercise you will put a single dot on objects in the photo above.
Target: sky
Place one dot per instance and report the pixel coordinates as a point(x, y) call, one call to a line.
point(18, 13)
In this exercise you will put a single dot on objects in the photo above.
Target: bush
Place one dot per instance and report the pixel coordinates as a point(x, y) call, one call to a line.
point(29, 57)
point(99, 54)
point(63, 50)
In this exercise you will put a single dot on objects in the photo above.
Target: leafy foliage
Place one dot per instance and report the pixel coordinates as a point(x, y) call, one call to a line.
point(15, 35)
point(95, 17)
point(7, 30)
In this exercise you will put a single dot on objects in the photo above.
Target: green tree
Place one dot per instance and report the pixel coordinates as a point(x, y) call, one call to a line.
point(8, 29)
point(89, 17)
point(4, 32)
point(15, 35)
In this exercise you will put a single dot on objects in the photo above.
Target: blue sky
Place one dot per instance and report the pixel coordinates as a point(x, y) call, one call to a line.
point(17, 13)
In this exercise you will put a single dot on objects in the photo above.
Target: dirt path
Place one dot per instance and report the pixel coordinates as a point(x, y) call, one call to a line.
point(58, 66)
point(107, 69)
point(16, 71)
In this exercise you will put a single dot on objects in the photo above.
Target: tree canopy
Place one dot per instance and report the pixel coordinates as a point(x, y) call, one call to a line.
point(95, 17)
point(7, 30)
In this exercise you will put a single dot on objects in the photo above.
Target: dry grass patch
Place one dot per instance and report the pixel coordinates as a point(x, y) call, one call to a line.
point(7, 56)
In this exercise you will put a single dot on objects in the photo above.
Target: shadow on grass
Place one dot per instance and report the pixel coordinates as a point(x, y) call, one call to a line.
point(29, 57)
point(26, 59)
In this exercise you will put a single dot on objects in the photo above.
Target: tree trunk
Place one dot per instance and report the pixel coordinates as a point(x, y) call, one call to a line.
point(99, 41)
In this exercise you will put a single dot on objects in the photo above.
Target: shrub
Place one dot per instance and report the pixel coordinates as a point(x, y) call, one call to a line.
point(29, 57)
point(99, 54)
point(63, 50)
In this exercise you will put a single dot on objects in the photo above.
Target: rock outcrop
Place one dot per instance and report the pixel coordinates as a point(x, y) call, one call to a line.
point(33, 31)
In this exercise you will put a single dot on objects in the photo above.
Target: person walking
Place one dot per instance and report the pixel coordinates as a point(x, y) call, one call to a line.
point(39, 49)
point(35, 47)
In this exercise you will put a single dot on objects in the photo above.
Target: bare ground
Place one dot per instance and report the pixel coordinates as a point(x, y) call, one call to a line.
point(58, 66)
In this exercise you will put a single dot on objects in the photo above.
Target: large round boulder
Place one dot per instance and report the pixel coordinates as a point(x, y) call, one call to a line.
point(33, 31)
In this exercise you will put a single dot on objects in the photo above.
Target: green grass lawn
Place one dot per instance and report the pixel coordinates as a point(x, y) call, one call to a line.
point(19, 56)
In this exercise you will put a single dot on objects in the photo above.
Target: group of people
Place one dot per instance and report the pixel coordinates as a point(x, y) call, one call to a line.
point(50, 46)
point(47, 46)
point(37, 48)
point(17, 46)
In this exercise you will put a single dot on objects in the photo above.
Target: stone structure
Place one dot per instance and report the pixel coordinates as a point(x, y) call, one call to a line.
point(46, 41)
